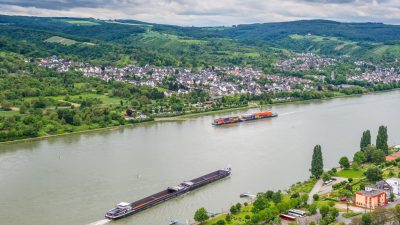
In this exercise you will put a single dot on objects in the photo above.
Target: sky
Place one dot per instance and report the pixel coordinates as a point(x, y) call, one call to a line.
point(211, 12)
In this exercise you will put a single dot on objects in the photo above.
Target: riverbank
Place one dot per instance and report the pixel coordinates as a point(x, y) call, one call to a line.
point(184, 117)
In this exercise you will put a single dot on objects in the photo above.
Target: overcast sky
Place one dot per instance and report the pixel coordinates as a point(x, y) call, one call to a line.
point(211, 12)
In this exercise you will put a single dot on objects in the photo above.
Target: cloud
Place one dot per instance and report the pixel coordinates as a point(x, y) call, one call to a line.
point(211, 12)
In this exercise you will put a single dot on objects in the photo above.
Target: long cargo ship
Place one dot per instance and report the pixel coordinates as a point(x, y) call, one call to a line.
point(124, 209)
point(244, 118)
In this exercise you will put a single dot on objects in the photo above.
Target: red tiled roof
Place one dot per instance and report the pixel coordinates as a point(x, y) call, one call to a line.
point(390, 158)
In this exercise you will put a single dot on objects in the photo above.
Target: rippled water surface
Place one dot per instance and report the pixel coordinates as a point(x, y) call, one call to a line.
point(75, 179)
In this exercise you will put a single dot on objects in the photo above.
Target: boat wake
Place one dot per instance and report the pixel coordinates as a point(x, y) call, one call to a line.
point(289, 113)
point(100, 222)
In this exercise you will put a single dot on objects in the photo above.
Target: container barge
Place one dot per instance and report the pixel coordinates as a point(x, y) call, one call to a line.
point(124, 209)
point(244, 118)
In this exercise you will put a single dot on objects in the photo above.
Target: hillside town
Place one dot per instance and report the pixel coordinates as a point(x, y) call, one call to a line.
point(228, 80)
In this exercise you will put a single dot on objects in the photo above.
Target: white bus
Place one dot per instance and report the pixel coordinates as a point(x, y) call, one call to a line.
point(295, 212)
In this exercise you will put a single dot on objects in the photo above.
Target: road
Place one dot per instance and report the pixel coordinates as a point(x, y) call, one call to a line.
point(320, 188)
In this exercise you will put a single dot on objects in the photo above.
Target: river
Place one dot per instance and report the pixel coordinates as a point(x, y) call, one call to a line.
point(75, 179)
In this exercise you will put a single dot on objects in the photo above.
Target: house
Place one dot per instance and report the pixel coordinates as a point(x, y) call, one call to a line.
point(380, 186)
point(393, 157)
point(371, 199)
point(395, 184)
point(390, 158)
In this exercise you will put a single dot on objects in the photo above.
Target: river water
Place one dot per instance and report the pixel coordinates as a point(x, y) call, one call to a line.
point(75, 179)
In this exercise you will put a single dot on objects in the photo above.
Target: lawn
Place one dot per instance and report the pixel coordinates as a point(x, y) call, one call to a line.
point(82, 22)
point(350, 173)
point(104, 98)
point(304, 187)
point(9, 113)
point(60, 40)
point(238, 218)
point(351, 214)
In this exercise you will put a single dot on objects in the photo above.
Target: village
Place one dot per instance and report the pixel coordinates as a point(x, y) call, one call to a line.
point(228, 80)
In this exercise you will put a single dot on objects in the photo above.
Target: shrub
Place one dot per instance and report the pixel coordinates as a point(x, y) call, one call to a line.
point(295, 195)
point(221, 222)
point(312, 209)
point(228, 218)
point(234, 209)
point(315, 197)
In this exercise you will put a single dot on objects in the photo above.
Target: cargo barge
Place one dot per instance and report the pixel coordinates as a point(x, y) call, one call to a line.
point(244, 118)
point(124, 209)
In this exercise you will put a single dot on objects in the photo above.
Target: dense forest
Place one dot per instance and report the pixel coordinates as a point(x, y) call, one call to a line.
point(128, 41)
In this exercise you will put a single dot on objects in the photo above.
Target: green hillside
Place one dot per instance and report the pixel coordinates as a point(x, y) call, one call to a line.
point(128, 41)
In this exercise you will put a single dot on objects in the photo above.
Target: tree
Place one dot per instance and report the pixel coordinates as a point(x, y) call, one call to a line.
point(201, 215)
point(382, 139)
point(315, 197)
point(277, 197)
point(368, 152)
point(312, 209)
point(366, 219)
point(77, 120)
point(377, 156)
point(365, 139)
point(324, 210)
point(234, 209)
point(228, 218)
point(356, 166)
point(317, 164)
point(359, 157)
point(373, 174)
point(391, 198)
point(344, 162)
point(238, 206)
point(397, 212)
point(22, 109)
point(326, 177)
point(221, 222)
point(304, 198)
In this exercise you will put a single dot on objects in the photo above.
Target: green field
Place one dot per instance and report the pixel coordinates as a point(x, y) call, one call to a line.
point(130, 24)
point(236, 219)
point(82, 22)
point(9, 113)
point(61, 40)
point(350, 173)
point(104, 98)
point(66, 41)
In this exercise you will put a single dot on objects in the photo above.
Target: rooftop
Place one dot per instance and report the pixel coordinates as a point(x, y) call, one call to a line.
point(372, 193)
point(390, 158)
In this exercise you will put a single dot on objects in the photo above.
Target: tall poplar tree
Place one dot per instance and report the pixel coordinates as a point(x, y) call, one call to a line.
point(382, 139)
point(317, 164)
point(365, 139)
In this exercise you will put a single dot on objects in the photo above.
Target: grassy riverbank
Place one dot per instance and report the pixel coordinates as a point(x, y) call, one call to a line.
point(184, 117)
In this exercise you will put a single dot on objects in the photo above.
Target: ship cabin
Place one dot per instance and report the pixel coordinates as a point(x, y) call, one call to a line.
point(176, 188)
point(123, 205)
point(121, 208)
point(187, 183)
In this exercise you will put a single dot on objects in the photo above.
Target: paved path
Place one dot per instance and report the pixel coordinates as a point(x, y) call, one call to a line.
point(315, 190)
point(320, 188)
